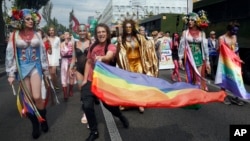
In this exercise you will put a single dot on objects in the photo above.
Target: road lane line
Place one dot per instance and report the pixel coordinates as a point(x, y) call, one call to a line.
point(112, 128)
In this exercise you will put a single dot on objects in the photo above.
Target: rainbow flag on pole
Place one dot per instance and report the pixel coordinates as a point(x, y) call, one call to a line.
point(229, 74)
point(118, 87)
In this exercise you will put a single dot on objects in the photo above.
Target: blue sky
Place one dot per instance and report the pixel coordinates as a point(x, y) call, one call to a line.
point(82, 9)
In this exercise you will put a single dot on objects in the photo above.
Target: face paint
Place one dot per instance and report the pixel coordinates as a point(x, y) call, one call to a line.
point(82, 27)
point(234, 30)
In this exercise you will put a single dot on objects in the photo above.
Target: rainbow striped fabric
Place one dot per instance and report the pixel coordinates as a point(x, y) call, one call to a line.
point(118, 87)
point(229, 74)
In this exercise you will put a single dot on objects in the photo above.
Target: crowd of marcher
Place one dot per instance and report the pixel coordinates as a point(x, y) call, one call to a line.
point(34, 55)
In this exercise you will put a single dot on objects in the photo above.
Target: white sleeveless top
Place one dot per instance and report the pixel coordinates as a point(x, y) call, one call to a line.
point(55, 56)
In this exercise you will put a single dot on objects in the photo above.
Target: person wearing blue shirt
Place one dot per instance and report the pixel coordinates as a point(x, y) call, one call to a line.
point(213, 53)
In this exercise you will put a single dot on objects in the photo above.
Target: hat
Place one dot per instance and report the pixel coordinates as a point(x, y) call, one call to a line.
point(193, 16)
point(16, 16)
point(212, 32)
point(26, 12)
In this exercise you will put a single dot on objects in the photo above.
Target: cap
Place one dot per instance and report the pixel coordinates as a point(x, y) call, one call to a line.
point(212, 32)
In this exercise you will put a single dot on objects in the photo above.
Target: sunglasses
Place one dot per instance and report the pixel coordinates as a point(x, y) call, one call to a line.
point(28, 19)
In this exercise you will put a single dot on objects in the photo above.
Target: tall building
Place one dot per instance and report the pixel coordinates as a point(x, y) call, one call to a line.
point(116, 10)
point(90, 18)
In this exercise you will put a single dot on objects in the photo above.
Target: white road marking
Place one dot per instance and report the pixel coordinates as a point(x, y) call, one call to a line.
point(112, 128)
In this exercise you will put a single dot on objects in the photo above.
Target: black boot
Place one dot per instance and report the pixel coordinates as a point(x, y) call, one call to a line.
point(65, 94)
point(92, 136)
point(44, 124)
point(70, 90)
point(35, 125)
point(124, 121)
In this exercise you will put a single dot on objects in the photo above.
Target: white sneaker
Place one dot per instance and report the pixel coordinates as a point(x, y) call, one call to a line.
point(84, 119)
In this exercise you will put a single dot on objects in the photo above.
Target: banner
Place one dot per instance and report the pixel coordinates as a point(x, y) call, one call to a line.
point(74, 23)
point(166, 61)
point(229, 74)
point(118, 87)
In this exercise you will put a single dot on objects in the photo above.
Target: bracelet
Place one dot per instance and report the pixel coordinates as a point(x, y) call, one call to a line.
point(72, 65)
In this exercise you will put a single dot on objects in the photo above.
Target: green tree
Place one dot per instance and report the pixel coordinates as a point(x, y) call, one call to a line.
point(35, 4)
point(46, 14)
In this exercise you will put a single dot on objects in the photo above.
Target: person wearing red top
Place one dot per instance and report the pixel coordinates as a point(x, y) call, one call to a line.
point(97, 53)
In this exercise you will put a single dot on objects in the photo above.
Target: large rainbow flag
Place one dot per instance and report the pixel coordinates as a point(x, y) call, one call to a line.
point(229, 74)
point(118, 87)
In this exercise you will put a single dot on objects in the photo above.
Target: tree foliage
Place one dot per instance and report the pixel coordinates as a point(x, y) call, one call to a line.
point(35, 4)
point(20, 4)
point(46, 13)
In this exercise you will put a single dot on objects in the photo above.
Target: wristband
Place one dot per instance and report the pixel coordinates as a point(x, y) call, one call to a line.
point(72, 65)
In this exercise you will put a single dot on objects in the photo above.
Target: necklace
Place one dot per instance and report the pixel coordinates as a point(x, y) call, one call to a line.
point(27, 36)
point(194, 33)
point(132, 42)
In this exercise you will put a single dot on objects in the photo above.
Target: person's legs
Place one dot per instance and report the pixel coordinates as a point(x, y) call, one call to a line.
point(71, 83)
point(176, 70)
point(64, 80)
point(79, 78)
point(116, 112)
point(213, 67)
point(31, 116)
point(33, 85)
point(52, 71)
point(35, 80)
point(88, 107)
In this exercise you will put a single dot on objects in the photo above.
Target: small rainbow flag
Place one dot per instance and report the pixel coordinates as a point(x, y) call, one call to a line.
point(118, 87)
point(229, 74)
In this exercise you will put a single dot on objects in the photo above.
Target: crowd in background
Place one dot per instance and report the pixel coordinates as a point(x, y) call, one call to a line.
point(36, 53)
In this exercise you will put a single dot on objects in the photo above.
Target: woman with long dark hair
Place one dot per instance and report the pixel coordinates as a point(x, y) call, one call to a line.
point(174, 48)
point(136, 54)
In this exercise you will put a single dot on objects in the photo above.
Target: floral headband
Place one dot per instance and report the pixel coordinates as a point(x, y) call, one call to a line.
point(200, 18)
point(16, 17)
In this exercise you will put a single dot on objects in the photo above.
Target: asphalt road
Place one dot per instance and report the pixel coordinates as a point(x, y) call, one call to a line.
point(210, 123)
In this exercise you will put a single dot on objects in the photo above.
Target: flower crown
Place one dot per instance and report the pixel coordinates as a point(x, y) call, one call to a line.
point(16, 17)
point(200, 18)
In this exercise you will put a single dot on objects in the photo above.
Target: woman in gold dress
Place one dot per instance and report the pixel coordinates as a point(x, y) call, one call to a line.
point(135, 53)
